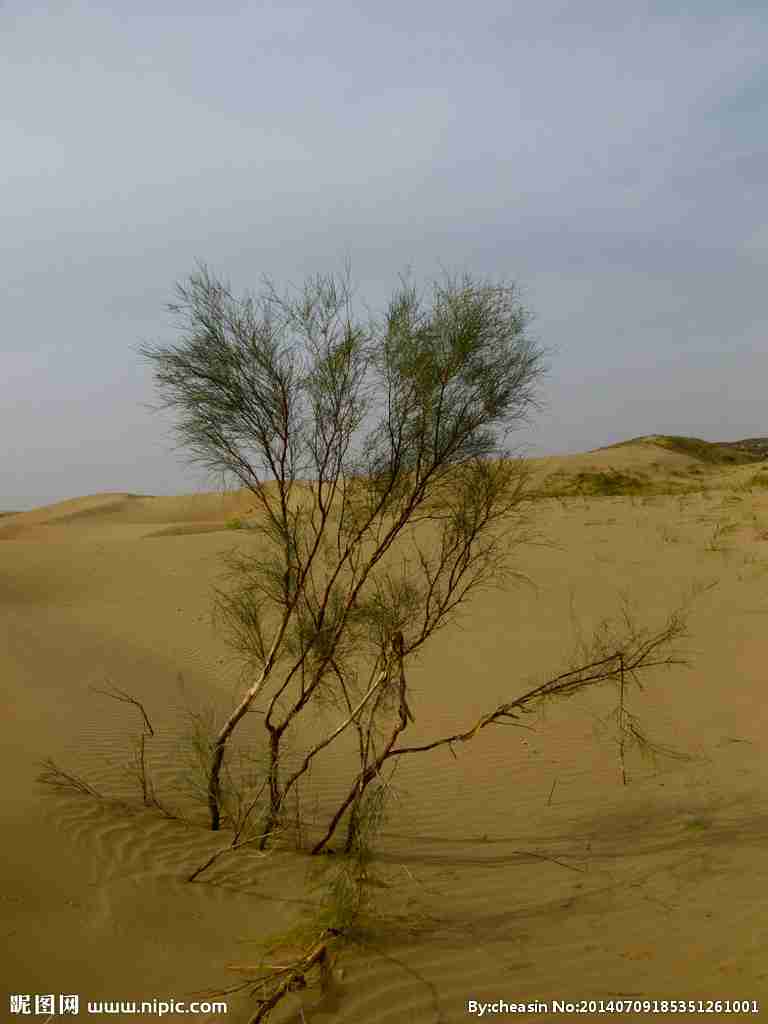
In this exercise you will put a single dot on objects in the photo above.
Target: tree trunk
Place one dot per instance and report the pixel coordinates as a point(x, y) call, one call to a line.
point(369, 774)
point(219, 747)
point(358, 789)
point(275, 795)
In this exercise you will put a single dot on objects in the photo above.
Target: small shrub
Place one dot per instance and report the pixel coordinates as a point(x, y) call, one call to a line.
point(759, 479)
point(721, 530)
point(609, 483)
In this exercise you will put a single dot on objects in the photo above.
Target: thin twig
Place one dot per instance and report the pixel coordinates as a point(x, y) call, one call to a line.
point(126, 698)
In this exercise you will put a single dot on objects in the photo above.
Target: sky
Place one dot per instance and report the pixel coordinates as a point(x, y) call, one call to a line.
point(610, 159)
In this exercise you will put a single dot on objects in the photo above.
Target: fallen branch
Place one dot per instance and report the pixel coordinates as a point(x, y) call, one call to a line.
point(292, 976)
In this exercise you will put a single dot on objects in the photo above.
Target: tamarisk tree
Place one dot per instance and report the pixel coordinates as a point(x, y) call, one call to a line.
point(385, 492)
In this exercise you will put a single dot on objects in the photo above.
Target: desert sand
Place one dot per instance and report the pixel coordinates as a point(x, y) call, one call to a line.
point(520, 870)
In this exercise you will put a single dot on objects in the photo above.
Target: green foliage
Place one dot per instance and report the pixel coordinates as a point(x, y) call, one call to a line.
point(345, 878)
point(599, 483)
point(588, 483)
point(611, 482)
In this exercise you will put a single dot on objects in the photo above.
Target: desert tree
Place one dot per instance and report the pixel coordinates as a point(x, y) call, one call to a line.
point(385, 493)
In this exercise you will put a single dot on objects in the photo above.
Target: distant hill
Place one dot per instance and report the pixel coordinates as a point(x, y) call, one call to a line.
point(757, 446)
point(751, 449)
point(654, 464)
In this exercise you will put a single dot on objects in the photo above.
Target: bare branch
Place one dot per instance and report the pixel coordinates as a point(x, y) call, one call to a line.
point(121, 695)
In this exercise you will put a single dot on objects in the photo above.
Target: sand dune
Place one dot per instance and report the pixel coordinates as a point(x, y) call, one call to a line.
point(523, 870)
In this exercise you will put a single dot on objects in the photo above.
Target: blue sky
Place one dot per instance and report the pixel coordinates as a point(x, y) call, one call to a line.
point(611, 159)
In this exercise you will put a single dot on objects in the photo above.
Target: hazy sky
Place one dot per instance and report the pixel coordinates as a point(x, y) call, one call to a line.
point(611, 158)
